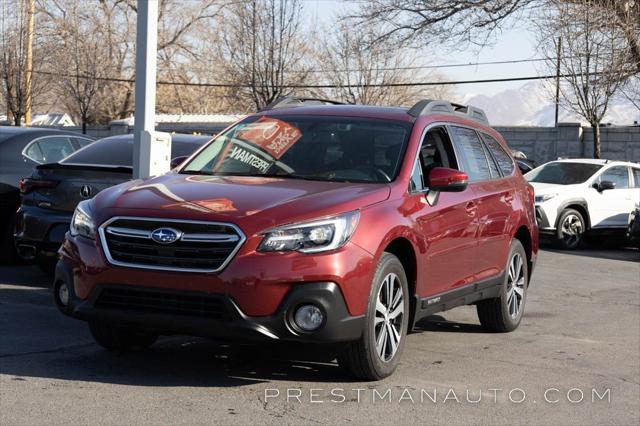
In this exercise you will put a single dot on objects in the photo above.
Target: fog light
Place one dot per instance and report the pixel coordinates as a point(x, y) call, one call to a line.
point(309, 317)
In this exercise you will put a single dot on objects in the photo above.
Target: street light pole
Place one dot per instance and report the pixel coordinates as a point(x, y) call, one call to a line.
point(145, 98)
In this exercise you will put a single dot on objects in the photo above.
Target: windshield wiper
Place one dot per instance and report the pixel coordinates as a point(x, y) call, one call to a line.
point(195, 172)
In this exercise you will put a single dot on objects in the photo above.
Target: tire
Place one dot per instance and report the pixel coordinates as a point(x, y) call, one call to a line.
point(504, 313)
point(8, 252)
point(364, 359)
point(120, 339)
point(570, 229)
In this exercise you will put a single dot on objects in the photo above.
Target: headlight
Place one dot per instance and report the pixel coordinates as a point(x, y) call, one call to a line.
point(545, 197)
point(82, 223)
point(312, 237)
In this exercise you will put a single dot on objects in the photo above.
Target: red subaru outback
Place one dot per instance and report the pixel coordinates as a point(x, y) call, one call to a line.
point(313, 222)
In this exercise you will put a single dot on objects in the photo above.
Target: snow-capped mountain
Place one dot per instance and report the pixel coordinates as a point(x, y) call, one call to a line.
point(530, 105)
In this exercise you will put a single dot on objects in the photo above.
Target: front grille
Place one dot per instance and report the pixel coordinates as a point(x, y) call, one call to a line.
point(161, 302)
point(201, 246)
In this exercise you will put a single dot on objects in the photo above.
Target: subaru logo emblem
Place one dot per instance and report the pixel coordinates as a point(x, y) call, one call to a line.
point(165, 235)
point(85, 191)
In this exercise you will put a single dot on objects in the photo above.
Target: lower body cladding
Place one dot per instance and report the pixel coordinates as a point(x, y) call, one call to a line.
point(320, 309)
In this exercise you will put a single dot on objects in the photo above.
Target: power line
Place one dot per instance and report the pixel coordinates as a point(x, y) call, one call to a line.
point(314, 86)
point(418, 67)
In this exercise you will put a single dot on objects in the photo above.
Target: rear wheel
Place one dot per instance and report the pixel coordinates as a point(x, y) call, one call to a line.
point(120, 339)
point(570, 229)
point(504, 313)
point(376, 354)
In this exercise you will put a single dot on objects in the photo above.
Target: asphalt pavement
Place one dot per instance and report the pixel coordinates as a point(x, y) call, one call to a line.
point(574, 360)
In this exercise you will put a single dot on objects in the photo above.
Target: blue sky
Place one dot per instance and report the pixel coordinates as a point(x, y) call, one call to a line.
point(515, 43)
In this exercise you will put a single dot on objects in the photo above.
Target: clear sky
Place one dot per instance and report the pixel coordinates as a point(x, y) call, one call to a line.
point(512, 44)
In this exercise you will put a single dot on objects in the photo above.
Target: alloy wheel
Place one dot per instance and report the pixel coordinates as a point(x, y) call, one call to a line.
point(389, 316)
point(515, 285)
point(63, 294)
point(571, 230)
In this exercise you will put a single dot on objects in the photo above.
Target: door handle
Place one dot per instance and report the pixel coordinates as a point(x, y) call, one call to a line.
point(471, 208)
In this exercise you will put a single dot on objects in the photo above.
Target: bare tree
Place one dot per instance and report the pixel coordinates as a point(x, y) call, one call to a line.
point(477, 21)
point(360, 68)
point(264, 48)
point(13, 66)
point(594, 60)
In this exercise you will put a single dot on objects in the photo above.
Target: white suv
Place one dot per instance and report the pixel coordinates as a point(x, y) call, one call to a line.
point(579, 195)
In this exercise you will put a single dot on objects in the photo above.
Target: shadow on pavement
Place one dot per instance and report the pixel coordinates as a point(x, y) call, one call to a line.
point(622, 253)
point(440, 324)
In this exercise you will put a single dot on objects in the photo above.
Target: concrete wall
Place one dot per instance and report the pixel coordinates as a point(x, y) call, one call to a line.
point(544, 144)
point(541, 144)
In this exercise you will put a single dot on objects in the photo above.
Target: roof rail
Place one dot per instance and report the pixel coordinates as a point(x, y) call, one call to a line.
point(428, 106)
point(293, 101)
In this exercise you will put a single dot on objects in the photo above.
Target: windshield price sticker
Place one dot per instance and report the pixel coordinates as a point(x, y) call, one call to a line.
point(272, 135)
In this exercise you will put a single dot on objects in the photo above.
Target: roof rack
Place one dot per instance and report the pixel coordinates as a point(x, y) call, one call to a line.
point(293, 101)
point(429, 106)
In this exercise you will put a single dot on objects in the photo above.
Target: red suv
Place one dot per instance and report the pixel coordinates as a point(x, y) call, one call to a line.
point(310, 221)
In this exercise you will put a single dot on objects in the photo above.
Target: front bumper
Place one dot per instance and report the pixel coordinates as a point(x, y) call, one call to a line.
point(186, 312)
point(40, 231)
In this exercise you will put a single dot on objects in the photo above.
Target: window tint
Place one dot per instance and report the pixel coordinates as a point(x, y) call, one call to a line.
point(618, 175)
point(636, 177)
point(493, 167)
point(473, 159)
point(35, 153)
point(55, 148)
point(502, 157)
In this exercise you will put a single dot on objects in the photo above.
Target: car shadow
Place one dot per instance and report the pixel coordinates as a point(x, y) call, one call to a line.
point(440, 324)
point(24, 275)
point(179, 361)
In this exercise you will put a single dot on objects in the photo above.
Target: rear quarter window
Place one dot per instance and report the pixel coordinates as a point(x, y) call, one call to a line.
point(505, 163)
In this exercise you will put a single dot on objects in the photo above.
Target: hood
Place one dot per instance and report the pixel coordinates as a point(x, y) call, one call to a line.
point(260, 202)
point(541, 188)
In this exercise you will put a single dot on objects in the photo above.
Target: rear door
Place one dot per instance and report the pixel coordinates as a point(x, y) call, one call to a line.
point(492, 198)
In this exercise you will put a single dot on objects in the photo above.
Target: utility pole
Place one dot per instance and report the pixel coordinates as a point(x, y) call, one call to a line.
point(558, 78)
point(146, 52)
point(31, 10)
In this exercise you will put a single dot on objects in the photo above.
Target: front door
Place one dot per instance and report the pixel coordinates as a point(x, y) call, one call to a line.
point(610, 208)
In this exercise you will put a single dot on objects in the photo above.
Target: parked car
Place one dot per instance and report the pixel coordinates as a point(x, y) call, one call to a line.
point(334, 224)
point(524, 164)
point(633, 229)
point(21, 149)
point(577, 196)
point(52, 191)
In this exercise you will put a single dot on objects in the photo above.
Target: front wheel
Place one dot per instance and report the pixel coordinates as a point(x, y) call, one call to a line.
point(504, 313)
point(376, 354)
point(570, 229)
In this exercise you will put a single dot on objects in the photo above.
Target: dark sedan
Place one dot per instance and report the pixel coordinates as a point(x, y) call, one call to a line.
point(21, 149)
point(51, 193)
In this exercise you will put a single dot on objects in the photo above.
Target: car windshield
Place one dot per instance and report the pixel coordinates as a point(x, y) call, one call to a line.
point(563, 173)
point(341, 149)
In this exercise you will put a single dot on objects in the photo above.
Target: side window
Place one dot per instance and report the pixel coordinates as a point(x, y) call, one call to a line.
point(493, 167)
point(636, 177)
point(436, 151)
point(34, 152)
point(82, 142)
point(618, 175)
point(474, 160)
point(502, 157)
point(55, 148)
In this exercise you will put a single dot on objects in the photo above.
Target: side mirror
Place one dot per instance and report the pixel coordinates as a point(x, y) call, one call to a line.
point(175, 162)
point(604, 185)
point(447, 180)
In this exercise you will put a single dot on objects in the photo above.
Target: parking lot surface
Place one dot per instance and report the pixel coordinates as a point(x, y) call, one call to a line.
point(574, 360)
